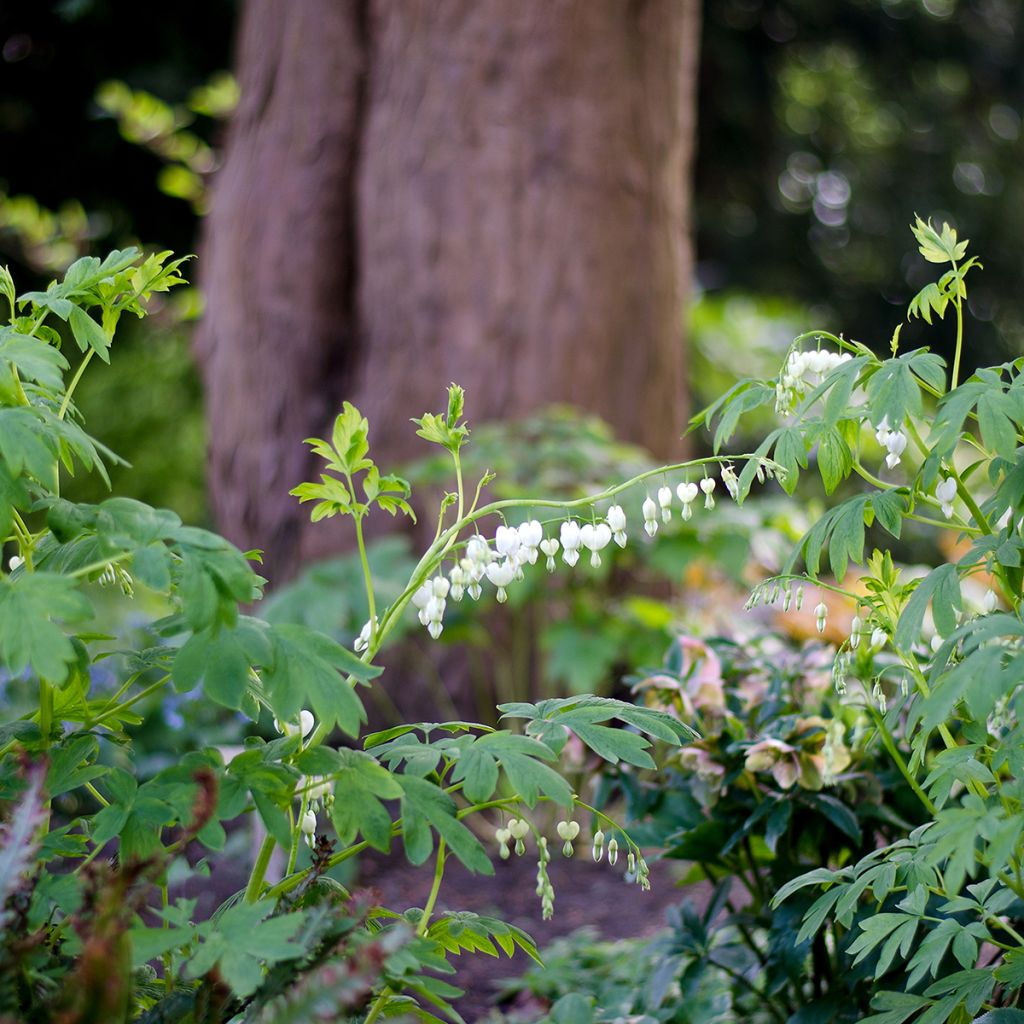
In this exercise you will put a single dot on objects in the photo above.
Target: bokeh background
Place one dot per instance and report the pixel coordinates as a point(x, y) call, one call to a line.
point(820, 130)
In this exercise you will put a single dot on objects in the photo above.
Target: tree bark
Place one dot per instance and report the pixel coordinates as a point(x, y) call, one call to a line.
point(484, 191)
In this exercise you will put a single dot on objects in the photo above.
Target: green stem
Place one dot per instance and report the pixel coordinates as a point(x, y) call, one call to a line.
point(97, 795)
point(442, 853)
point(368, 581)
point(45, 711)
point(141, 695)
point(378, 1005)
point(259, 870)
point(297, 832)
point(901, 764)
point(959, 339)
point(961, 488)
point(458, 481)
point(74, 383)
point(293, 881)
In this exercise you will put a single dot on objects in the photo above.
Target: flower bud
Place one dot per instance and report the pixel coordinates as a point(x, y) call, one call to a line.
point(598, 850)
point(821, 616)
point(613, 851)
point(989, 601)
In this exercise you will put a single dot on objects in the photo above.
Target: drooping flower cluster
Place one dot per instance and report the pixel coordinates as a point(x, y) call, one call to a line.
point(502, 559)
point(517, 829)
point(803, 372)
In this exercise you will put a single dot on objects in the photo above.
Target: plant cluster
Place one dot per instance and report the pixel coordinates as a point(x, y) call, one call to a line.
point(92, 926)
point(932, 665)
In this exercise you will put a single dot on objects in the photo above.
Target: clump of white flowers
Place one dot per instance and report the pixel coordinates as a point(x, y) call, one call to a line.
point(803, 372)
point(502, 559)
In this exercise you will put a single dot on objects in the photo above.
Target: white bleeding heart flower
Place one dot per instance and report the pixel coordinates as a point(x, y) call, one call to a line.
point(732, 484)
point(550, 548)
point(478, 550)
point(895, 444)
point(650, 514)
point(570, 537)
point(945, 492)
point(687, 493)
point(530, 535)
point(707, 485)
point(665, 501)
point(594, 538)
point(501, 574)
point(617, 522)
point(506, 541)
point(989, 601)
point(458, 580)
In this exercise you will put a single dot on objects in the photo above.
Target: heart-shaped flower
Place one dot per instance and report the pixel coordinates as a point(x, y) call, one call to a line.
point(568, 830)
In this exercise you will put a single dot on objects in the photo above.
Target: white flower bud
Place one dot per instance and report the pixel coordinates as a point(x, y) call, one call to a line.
point(613, 851)
point(309, 823)
point(598, 850)
point(879, 637)
point(362, 642)
point(989, 601)
point(732, 484)
point(617, 523)
point(821, 615)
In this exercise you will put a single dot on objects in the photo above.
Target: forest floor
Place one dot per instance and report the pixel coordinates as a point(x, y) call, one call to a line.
point(586, 894)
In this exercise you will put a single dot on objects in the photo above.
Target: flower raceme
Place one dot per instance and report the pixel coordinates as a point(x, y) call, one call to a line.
point(501, 560)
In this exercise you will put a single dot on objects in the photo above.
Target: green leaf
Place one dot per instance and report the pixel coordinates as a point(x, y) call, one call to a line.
point(835, 460)
point(423, 804)
point(88, 334)
point(31, 604)
point(816, 877)
point(222, 659)
point(305, 672)
point(33, 359)
point(893, 392)
point(941, 587)
point(522, 760)
point(25, 444)
point(889, 508)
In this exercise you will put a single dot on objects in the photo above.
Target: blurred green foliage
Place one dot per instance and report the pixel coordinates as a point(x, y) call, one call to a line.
point(820, 124)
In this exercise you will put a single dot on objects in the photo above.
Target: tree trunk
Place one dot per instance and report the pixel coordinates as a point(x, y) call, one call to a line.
point(414, 192)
